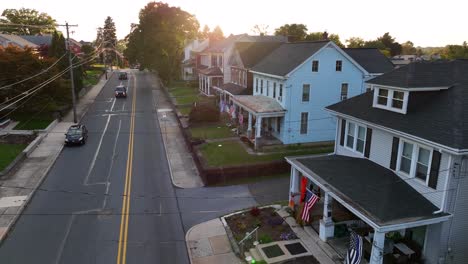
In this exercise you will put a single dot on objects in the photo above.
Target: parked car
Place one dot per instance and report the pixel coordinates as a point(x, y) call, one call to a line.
point(121, 91)
point(76, 134)
point(123, 76)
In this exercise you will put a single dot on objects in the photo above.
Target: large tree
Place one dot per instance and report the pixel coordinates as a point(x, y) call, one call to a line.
point(390, 44)
point(109, 39)
point(260, 29)
point(408, 48)
point(314, 36)
point(41, 22)
point(297, 32)
point(217, 34)
point(157, 42)
point(355, 42)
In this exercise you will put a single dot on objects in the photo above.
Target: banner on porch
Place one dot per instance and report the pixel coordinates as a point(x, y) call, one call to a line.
point(354, 254)
point(311, 199)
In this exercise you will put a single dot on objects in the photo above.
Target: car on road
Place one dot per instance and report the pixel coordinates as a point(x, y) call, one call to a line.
point(123, 76)
point(76, 134)
point(121, 91)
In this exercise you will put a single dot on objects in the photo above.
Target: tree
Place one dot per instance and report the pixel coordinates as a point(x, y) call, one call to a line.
point(314, 36)
point(355, 42)
point(109, 39)
point(390, 44)
point(57, 49)
point(157, 42)
point(217, 34)
point(297, 32)
point(408, 48)
point(456, 51)
point(260, 29)
point(26, 16)
point(205, 33)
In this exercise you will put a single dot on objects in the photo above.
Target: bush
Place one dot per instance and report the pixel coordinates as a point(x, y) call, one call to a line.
point(204, 112)
point(255, 211)
point(264, 239)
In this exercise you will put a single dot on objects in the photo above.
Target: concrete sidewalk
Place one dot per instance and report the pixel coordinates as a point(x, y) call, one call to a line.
point(17, 189)
point(208, 243)
point(184, 173)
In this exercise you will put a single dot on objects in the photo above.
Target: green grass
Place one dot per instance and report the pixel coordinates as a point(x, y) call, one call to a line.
point(8, 153)
point(211, 132)
point(31, 122)
point(183, 94)
point(185, 110)
point(233, 153)
point(92, 77)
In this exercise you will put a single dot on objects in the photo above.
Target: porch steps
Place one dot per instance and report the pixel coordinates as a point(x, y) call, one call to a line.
point(325, 247)
point(255, 254)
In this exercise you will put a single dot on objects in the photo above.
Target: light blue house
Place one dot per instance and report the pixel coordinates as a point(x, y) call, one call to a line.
point(293, 84)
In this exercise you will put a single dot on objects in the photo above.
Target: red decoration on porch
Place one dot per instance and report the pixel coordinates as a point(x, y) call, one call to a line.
point(303, 188)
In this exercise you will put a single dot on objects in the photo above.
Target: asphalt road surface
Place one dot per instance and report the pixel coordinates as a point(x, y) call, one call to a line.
point(112, 200)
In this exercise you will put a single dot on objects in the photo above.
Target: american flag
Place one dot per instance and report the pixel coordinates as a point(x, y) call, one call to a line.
point(311, 199)
point(355, 249)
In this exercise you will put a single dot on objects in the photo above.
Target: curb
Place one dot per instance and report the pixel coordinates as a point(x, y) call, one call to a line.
point(32, 146)
point(187, 242)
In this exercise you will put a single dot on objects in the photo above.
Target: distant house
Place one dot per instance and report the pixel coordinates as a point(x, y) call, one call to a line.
point(293, 84)
point(44, 41)
point(213, 66)
point(17, 41)
point(188, 65)
point(399, 173)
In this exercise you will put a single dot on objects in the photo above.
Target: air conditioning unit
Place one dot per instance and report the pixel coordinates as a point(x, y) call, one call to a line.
point(279, 98)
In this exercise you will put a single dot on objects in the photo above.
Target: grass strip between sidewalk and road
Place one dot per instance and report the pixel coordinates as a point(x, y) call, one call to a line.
point(8, 152)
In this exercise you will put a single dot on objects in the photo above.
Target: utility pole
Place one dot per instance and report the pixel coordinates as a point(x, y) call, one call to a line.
point(71, 70)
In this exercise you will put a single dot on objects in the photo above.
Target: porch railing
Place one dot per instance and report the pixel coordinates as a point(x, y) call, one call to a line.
point(247, 236)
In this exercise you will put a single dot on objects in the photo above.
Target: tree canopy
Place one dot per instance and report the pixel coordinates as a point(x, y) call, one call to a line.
point(109, 39)
point(41, 23)
point(297, 32)
point(158, 40)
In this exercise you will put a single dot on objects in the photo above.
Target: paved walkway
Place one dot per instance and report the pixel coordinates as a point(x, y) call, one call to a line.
point(184, 172)
point(208, 243)
point(18, 188)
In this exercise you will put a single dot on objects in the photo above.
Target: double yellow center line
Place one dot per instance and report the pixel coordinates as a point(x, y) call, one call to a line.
point(122, 251)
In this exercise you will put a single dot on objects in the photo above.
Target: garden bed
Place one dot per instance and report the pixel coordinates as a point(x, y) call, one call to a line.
point(272, 227)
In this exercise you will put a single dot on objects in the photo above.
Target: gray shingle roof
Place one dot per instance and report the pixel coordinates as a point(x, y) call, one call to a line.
point(252, 52)
point(39, 40)
point(437, 116)
point(287, 57)
point(424, 74)
point(221, 46)
point(371, 59)
point(235, 89)
point(373, 190)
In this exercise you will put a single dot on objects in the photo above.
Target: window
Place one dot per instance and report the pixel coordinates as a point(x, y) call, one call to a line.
point(305, 92)
point(339, 65)
point(397, 100)
point(344, 91)
point(304, 117)
point(261, 86)
point(274, 90)
point(220, 60)
point(406, 157)
point(315, 66)
point(350, 135)
point(256, 85)
point(267, 88)
point(422, 166)
point(382, 97)
point(355, 137)
point(281, 92)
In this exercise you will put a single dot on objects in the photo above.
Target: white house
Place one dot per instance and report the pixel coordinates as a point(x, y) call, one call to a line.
point(400, 166)
point(188, 65)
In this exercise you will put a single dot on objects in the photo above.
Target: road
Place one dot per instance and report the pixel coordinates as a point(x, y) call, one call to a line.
point(112, 200)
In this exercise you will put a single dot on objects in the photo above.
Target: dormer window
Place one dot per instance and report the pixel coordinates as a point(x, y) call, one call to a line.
point(389, 99)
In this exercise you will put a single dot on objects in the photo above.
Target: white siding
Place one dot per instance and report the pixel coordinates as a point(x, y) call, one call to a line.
point(381, 147)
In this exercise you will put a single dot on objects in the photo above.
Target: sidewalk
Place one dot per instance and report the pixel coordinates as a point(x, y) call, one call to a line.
point(208, 243)
point(17, 189)
point(184, 173)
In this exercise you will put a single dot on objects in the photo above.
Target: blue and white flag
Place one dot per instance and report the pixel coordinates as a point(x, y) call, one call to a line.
point(354, 254)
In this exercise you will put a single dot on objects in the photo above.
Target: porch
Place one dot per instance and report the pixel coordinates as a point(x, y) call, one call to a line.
point(264, 116)
point(208, 78)
point(360, 196)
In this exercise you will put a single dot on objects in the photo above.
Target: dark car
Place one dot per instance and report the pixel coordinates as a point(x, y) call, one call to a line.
point(121, 91)
point(123, 76)
point(76, 134)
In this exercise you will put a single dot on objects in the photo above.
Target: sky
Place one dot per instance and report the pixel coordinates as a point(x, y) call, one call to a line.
point(424, 22)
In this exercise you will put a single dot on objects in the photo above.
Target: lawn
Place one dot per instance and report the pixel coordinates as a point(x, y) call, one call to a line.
point(31, 122)
point(229, 153)
point(253, 179)
point(8, 153)
point(211, 132)
point(185, 110)
point(92, 77)
point(184, 94)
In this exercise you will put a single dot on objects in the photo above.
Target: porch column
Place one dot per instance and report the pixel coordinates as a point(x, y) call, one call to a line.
point(209, 86)
point(200, 81)
point(258, 131)
point(377, 248)
point(249, 126)
point(327, 227)
point(294, 192)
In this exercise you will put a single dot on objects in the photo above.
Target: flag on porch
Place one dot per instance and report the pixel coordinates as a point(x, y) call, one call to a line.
point(241, 118)
point(311, 199)
point(354, 254)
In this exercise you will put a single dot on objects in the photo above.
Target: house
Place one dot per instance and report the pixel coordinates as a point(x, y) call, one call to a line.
point(212, 65)
point(244, 56)
point(188, 66)
point(15, 40)
point(400, 167)
point(296, 81)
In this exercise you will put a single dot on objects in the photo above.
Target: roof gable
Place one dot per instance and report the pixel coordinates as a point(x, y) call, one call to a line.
point(250, 53)
point(370, 59)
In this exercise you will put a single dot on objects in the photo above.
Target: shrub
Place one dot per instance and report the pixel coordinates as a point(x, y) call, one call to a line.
point(264, 239)
point(255, 211)
point(241, 226)
point(204, 112)
point(288, 236)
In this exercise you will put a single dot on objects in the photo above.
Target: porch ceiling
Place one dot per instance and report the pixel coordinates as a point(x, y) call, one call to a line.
point(259, 105)
point(373, 191)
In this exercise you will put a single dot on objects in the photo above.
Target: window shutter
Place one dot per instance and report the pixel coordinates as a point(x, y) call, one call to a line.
point(393, 159)
point(343, 128)
point(435, 165)
point(368, 142)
